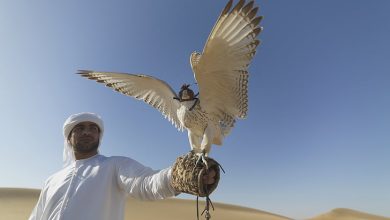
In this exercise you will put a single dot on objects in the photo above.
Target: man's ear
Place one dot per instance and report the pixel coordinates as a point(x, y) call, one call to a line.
point(70, 135)
point(68, 139)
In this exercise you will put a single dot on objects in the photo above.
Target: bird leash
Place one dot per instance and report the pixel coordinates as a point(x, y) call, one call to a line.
point(209, 203)
point(206, 210)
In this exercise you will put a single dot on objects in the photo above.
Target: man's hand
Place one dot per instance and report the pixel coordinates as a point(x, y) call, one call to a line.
point(209, 177)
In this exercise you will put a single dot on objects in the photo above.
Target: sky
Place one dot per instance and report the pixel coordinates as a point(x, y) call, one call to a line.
point(317, 132)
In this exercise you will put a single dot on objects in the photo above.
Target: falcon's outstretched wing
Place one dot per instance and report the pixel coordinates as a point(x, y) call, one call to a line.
point(153, 91)
point(221, 71)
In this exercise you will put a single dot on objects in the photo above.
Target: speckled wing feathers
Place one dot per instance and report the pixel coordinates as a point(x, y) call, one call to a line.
point(222, 70)
point(153, 91)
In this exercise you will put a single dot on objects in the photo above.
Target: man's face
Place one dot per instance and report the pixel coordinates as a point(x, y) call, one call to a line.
point(84, 138)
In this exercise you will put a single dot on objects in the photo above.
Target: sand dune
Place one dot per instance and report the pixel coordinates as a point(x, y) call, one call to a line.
point(16, 204)
point(348, 214)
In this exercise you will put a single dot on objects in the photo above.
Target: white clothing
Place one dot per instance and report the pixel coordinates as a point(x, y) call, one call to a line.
point(96, 189)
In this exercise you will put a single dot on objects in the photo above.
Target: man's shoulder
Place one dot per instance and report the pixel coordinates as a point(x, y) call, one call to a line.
point(113, 161)
point(102, 159)
point(127, 165)
point(119, 159)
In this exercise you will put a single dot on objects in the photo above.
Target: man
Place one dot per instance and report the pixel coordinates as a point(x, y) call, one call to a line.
point(94, 187)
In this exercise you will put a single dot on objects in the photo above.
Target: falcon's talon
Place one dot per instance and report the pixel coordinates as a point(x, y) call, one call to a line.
point(202, 159)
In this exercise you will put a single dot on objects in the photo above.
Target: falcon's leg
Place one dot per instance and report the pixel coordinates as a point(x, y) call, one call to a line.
point(208, 137)
point(207, 141)
point(194, 141)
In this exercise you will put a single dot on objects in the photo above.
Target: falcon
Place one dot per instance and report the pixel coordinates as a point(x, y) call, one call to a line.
point(221, 73)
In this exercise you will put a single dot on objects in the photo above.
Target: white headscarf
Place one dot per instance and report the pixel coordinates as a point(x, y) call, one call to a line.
point(70, 123)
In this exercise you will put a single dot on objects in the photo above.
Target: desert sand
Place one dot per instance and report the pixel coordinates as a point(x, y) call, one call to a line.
point(16, 204)
point(348, 214)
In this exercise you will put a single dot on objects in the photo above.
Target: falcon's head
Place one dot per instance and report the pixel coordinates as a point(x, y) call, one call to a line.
point(186, 94)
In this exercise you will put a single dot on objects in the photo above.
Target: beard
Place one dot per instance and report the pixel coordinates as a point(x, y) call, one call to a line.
point(86, 146)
